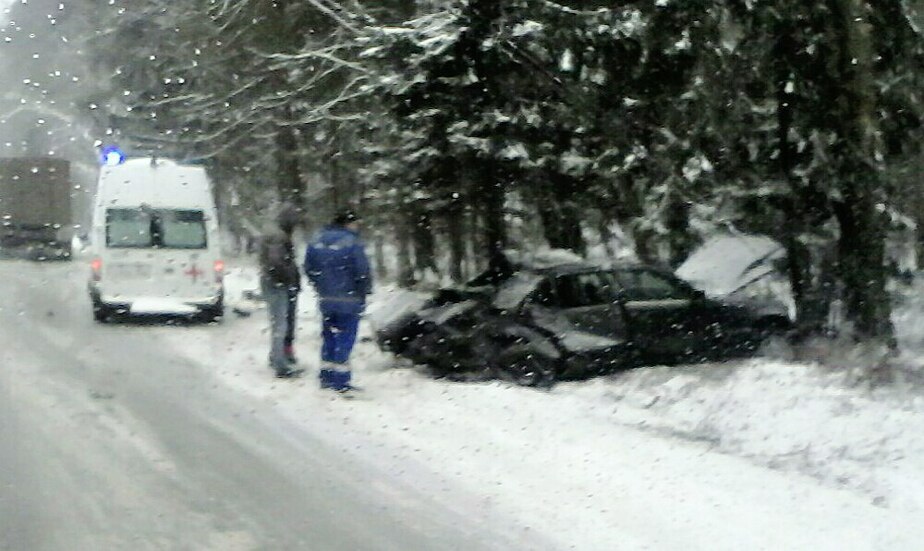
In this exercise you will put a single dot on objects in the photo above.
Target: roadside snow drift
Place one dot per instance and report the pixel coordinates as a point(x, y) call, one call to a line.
point(752, 454)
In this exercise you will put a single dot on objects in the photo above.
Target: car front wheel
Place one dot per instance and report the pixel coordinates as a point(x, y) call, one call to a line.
point(523, 365)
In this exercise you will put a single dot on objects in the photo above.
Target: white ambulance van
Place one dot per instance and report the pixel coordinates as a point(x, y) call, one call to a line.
point(155, 242)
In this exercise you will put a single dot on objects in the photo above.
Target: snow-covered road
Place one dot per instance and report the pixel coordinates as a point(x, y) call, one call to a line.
point(109, 439)
point(131, 436)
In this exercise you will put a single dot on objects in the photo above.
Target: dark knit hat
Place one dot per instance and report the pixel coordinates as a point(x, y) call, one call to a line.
point(345, 217)
point(288, 217)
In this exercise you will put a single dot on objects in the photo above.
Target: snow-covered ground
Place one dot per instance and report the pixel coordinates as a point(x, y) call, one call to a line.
point(752, 454)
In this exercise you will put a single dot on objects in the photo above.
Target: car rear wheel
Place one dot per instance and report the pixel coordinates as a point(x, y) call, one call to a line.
point(523, 365)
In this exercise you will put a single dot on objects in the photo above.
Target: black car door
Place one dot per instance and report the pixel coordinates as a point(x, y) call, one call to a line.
point(589, 302)
point(661, 313)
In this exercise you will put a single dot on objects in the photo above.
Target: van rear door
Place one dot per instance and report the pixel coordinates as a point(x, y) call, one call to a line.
point(159, 252)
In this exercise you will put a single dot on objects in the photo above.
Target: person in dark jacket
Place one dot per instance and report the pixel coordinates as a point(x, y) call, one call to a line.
point(280, 283)
point(337, 267)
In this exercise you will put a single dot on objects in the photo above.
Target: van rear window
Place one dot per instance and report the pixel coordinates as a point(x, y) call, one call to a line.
point(144, 228)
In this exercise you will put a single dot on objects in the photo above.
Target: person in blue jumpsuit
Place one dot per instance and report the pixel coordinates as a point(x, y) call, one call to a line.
point(337, 267)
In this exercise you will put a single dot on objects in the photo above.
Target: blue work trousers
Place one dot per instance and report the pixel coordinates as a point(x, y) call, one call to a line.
point(338, 331)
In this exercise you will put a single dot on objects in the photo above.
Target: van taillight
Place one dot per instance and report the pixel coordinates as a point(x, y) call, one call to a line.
point(96, 265)
point(219, 270)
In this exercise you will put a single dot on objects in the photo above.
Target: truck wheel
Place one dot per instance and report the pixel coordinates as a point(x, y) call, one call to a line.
point(524, 366)
point(101, 312)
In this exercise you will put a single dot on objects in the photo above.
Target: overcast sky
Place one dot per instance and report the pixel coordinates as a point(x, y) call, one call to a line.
point(4, 4)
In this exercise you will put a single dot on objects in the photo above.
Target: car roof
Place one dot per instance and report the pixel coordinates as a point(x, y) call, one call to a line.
point(583, 267)
point(565, 268)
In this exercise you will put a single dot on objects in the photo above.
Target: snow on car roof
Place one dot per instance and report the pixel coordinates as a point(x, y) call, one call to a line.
point(547, 258)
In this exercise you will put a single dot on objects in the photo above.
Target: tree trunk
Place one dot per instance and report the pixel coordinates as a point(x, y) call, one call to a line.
point(456, 234)
point(381, 268)
point(495, 230)
point(561, 226)
point(405, 268)
point(424, 243)
point(627, 210)
point(561, 217)
point(811, 301)
point(289, 181)
point(861, 255)
point(473, 243)
point(678, 227)
point(611, 242)
point(646, 247)
point(862, 240)
point(919, 232)
point(811, 289)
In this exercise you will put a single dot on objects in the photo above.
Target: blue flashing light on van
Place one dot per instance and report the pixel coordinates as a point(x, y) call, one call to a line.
point(112, 156)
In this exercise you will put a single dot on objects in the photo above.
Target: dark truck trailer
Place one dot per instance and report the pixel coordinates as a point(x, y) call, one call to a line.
point(35, 208)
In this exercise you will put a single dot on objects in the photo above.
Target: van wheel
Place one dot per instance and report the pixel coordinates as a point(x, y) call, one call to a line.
point(213, 314)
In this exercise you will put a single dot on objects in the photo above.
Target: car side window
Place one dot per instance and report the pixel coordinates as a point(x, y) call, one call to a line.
point(544, 295)
point(579, 290)
point(649, 285)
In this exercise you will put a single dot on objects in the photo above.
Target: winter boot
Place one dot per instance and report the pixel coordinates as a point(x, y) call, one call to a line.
point(335, 379)
point(288, 373)
point(341, 380)
point(325, 378)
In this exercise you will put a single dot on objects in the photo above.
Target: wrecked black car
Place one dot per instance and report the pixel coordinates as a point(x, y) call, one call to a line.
point(537, 325)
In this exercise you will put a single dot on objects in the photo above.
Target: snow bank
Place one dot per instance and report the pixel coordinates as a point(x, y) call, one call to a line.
point(797, 418)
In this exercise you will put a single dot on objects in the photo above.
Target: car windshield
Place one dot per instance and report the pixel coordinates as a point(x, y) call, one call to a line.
point(514, 290)
point(155, 228)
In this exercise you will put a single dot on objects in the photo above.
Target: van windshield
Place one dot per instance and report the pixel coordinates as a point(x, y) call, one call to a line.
point(142, 227)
